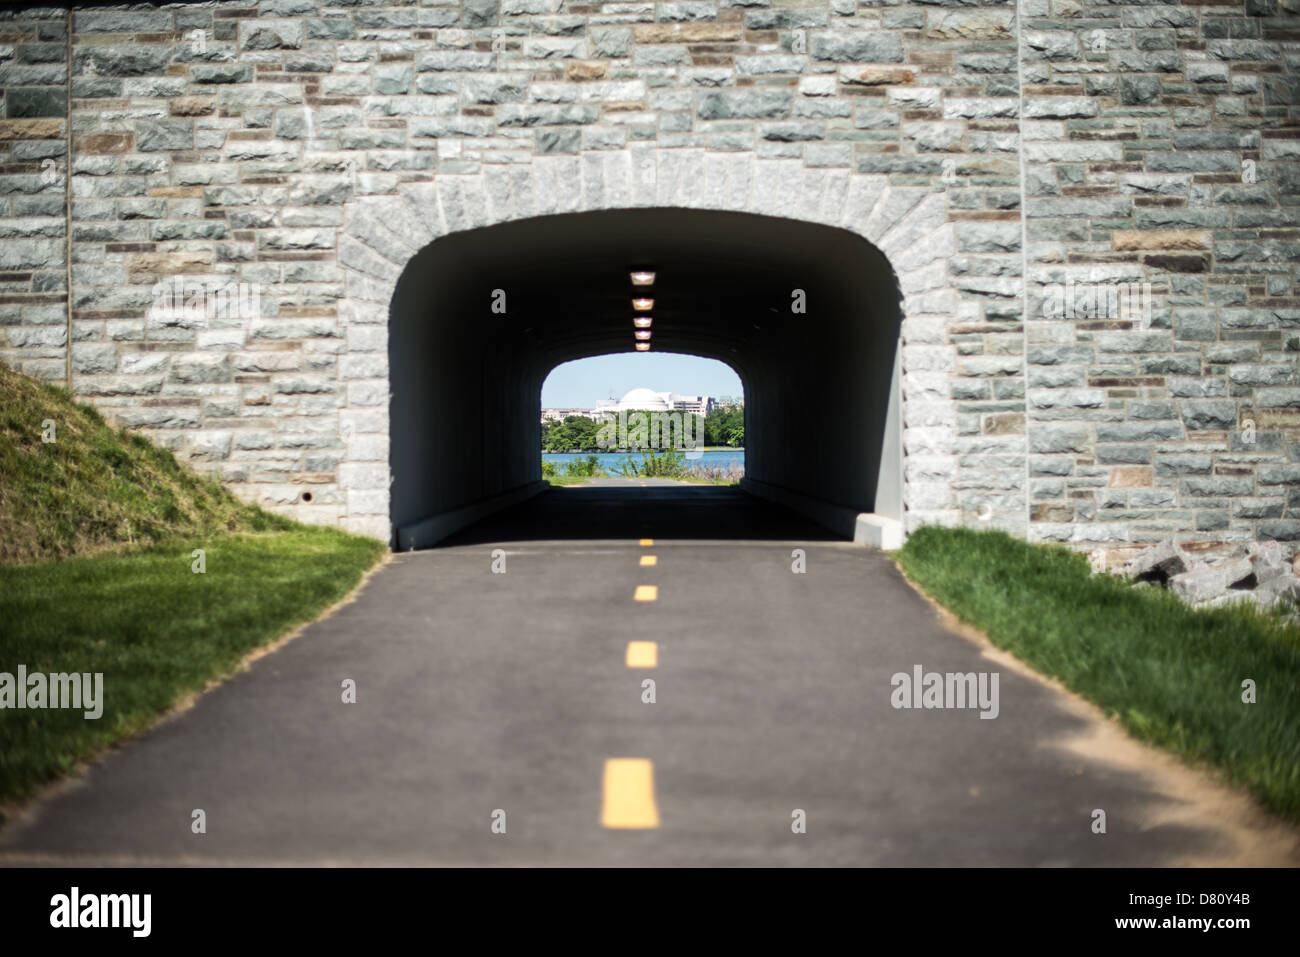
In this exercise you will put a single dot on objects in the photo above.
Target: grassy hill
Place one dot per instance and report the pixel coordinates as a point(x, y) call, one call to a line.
point(97, 575)
point(93, 486)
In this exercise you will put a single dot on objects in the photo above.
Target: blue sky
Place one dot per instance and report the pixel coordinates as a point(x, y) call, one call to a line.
point(580, 383)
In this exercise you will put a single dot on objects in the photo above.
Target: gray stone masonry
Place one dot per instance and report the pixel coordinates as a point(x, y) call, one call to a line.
point(1093, 209)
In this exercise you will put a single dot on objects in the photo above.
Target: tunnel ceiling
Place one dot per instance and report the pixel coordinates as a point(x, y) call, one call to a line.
point(723, 283)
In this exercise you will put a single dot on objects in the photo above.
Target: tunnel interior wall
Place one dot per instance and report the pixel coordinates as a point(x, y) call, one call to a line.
point(818, 395)
point(464, 410)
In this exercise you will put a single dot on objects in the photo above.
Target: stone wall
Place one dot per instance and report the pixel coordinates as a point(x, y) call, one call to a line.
point(1161, 147)
point(1078, 144)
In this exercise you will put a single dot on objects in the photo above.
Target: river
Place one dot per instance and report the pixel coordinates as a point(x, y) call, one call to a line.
point(722, 458)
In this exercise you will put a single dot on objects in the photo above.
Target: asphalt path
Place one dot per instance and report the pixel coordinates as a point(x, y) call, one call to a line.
point(494, 702)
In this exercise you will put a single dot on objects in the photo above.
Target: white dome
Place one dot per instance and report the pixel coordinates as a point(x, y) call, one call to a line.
point(643, 400)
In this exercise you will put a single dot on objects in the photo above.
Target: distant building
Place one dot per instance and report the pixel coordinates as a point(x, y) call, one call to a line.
point(639, 400)
point(699, 404)
point(647, 400)
point(559, 415)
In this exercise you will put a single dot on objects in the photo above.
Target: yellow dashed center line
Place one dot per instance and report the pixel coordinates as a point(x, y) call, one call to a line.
point(643, 654)
point(629, 786)
point(629, 794)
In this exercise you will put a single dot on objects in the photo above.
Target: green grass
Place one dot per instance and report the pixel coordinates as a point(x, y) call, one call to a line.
point(96, 533)
point(669, 464)
point(156, 630)
point(1172, 675)
point(93, 486)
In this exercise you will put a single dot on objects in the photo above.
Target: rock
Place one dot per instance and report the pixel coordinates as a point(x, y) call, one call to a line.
point(1211, 581)
point(1203, 415)
point(164, 135)
point(1212, 551)
point(1139, 90)
point(1268, 561)
point(1157, 564)
point(860, 47)
point(1286, 589)
point(198, 367)
point(970, 25)
point(135, 60)
point(757, 102)
point(876, 75)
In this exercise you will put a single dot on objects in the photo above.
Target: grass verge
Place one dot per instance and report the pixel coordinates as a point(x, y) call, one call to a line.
point(157, 630)
point(708, 480)
point(72, 484)
point(565, 480)
point(1172, 675)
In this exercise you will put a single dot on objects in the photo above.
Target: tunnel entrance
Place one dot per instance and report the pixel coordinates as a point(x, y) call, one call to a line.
point(807, 315)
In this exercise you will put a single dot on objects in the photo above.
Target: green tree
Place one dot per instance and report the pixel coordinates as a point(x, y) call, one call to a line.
point(576, 433)
point(725, 426)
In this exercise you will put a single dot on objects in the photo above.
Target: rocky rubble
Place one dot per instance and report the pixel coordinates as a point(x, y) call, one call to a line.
point(1206, 574)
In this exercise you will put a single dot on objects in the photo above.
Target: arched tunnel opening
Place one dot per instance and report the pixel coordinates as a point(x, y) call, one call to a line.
point(807, 315)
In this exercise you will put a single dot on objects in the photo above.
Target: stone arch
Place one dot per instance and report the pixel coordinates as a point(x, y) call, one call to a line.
point(909, 225)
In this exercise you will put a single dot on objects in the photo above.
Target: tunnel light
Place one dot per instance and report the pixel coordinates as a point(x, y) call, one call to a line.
point(641, 335)
point(643, 305)
point(643, 347)
point(642, 322)
point(643, 277)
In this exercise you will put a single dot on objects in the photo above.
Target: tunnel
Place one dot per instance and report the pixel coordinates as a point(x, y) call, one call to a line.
point(807, 315)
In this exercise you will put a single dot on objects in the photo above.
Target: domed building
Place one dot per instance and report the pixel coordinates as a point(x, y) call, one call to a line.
point(648, 400)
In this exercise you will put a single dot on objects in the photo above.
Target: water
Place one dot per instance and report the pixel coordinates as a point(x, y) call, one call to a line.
point(610, 461)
